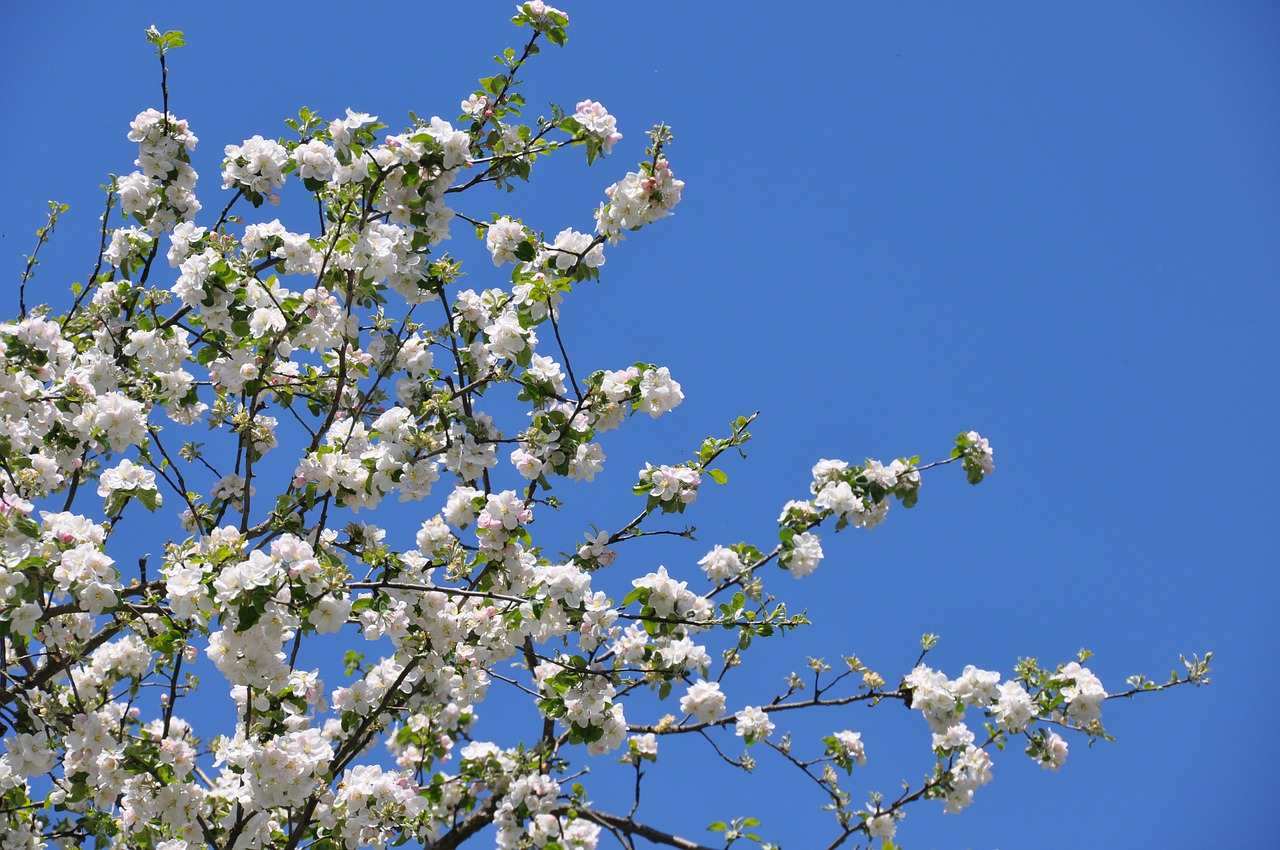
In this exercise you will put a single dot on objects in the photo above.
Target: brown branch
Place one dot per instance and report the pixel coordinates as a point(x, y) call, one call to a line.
point(874, 696)
point(630, 827)
point(476, 821)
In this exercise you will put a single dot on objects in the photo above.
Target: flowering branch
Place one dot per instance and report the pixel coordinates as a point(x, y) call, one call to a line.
point(462, 411)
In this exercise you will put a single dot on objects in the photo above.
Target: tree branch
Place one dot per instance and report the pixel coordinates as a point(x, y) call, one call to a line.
point(628, 826)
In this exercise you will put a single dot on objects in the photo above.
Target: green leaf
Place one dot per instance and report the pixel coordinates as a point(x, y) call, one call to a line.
point(247, 616)
point(718, 476)
point(150, 499)
point(165, 41)
point(116, 502)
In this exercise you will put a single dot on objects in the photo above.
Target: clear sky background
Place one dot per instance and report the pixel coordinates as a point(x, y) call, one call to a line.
point(1056, 224)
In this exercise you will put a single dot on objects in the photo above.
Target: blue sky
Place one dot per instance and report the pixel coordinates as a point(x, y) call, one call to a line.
point(1055, 225)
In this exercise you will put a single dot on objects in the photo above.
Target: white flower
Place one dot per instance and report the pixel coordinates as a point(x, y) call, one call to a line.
point(638, 199)
point(137, 193)
point(257, 165)
point(96, 597)
point(665, 593)
point(672, 483)
point(753, 724)
point(882, 826)
point(330, 614)
point(644, 746)
point(598, 123)
point(953, 738)
point(459, 509)
point(658, 392)
point(126, 476)
point(878, 473)
point(839, 498)
point(315, 160)
point(455, 143)
point(503, 238)
point(969, 771)
point(980, 450)
point(977, 687)
point(28, 754)
point(475, 105)
point(1084, 695)
point(340, 129)
point(851, 746)
point(805, 554)
point(597, 549)
point(825, 471)
point(932, 695)
point(24, 618)
point(572, 248)
point(797, 511)
point(506, 336)
point(721, 564)
point(538, 11)
point(616, 386)
point(126, 242)
point(1055, 752)
point(544, 370)
point(704, 701)
point(1013, 709)
point(587, 461)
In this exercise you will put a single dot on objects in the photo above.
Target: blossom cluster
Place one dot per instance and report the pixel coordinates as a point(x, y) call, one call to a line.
point(162, 192)
point(976, 455)
point(673, 486)
point(1010, 705)
point(638, 199)
point(360, 464)
point(597, 125)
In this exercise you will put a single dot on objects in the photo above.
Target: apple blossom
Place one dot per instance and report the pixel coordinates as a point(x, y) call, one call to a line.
point(704, 701)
